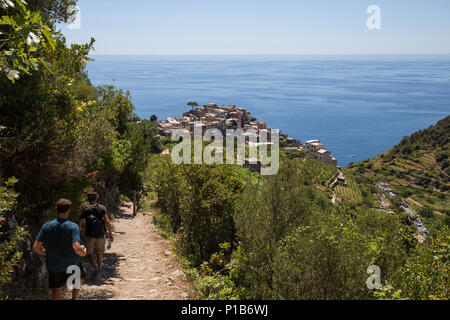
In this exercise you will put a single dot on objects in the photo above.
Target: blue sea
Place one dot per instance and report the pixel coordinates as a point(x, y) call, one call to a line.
point(359, 106)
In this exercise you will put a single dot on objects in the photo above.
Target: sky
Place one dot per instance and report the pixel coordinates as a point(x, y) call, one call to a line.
point(269, 27)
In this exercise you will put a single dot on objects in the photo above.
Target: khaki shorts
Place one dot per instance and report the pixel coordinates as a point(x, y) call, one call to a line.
point(98, 245)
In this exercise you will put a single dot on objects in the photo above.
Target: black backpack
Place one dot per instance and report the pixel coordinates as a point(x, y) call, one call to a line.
point(95, 228)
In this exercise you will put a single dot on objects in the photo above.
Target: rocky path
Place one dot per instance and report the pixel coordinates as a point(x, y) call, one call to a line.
point(139, 266)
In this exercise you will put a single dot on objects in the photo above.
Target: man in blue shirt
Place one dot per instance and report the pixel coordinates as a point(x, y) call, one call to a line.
point(59, 240)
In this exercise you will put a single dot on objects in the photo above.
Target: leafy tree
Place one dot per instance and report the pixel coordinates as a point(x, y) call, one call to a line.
point(23, 35)
point(200, 203)
point(41, 113)
point(207, 209)
point(120, 104)
point(144, 143)
point(166, 179)
point(193, 104)
point(55, 10)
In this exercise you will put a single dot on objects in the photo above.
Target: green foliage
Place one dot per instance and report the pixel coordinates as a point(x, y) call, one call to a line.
point(23, 36)
point(207, 219)
point(144, 142)
point(326, 260)
point(10, 239)
point(166, 179)
point(426, 273)
point(54, 10)
point(426, 212)
point(120, 104)
point(269, 224)
point(8, 196)
point(216, 279)
point(193, 104)
point(114, 162)
point(295, 245)
point(199, 200)
point(218, 287)
point(41, 142)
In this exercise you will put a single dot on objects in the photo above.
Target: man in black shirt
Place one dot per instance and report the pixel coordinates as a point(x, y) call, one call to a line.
point(97, 225)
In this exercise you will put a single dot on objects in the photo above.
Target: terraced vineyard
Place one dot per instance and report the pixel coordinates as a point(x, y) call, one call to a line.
point(418, 167)
point(351, 192)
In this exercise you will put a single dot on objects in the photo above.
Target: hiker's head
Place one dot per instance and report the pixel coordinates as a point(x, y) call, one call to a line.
point(63, 207)
point(92, 197)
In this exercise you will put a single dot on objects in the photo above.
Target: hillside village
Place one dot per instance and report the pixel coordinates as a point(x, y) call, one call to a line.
point(213, 116)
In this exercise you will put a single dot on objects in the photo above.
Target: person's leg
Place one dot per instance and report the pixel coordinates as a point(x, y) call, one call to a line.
point(100, 261)
point(90, 246)
point(92, 261)
point(76, 292)
point(57, 294)
point(56, 281)
point(100, 248)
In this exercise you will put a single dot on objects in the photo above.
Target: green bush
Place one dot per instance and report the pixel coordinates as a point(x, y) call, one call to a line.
point(10, 239)
point(207, 209)
point(270, 211)
point(326, 260)
point(165, 177)
point(426, 273)
point(200, 203)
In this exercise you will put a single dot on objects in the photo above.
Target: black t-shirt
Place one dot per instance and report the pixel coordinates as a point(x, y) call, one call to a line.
point(98, 211)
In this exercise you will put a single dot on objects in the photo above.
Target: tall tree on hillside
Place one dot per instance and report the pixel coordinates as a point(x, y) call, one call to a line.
point(119, 102)
point(193, 104)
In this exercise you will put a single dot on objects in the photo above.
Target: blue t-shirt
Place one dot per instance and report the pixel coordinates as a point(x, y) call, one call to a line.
point(58, 236)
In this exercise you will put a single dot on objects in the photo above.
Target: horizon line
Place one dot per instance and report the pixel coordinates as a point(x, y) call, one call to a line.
point(268, 54)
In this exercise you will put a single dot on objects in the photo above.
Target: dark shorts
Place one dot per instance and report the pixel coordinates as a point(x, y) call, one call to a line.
point(59, 279)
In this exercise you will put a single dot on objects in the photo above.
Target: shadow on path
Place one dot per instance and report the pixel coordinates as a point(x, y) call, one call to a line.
point(122, 214)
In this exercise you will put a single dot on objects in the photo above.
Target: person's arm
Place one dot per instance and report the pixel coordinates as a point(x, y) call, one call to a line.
point(38, 248)
point(79, 249)
point(81, 220)
point(76, 242)
point(80, 223)
point(108, 226)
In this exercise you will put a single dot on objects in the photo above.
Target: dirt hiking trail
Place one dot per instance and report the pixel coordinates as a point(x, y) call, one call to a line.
point(139, 266)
